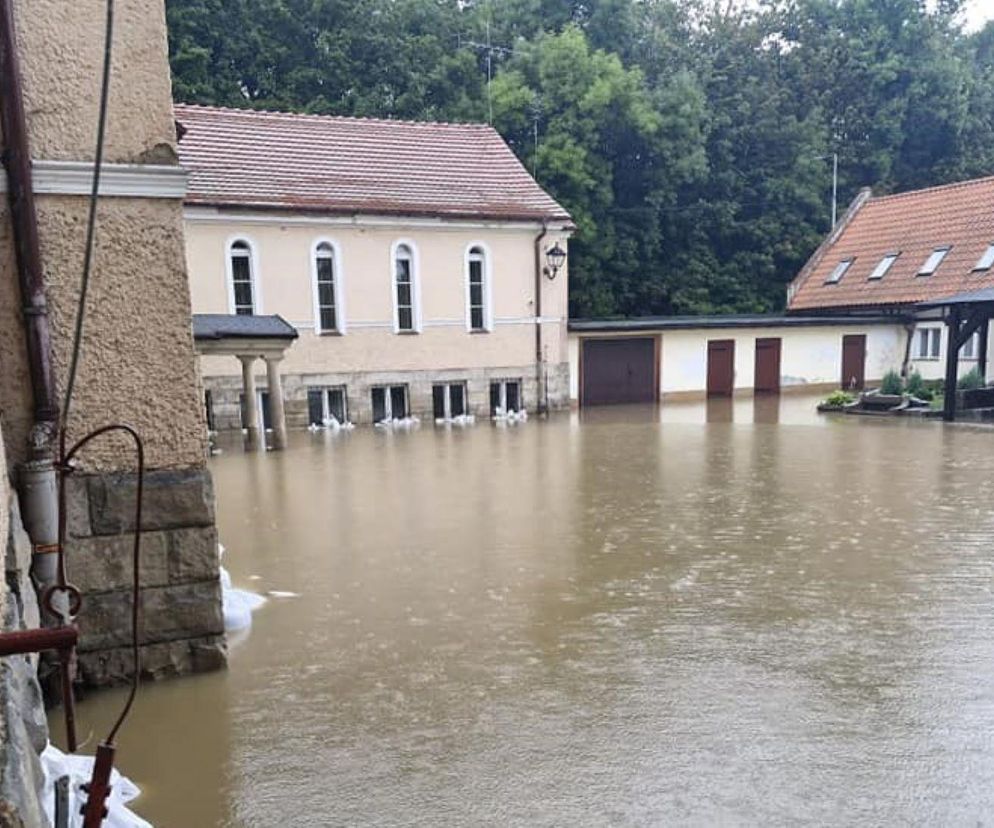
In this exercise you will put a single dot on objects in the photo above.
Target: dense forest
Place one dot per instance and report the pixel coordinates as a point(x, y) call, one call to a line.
point(691, 140)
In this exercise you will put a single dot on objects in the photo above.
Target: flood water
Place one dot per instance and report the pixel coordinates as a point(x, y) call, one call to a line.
point(729, 614)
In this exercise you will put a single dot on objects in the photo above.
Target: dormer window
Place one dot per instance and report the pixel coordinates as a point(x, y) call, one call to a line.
point(987, 260)
point(840, 270)
point(933, 261)
point(884, 265)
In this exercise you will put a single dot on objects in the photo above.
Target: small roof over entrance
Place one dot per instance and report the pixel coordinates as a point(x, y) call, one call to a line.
point(236, 335)
point(970, 297)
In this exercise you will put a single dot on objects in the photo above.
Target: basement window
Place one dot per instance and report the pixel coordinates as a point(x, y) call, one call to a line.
point(840, 270)
point(389, 403)
point(883, 266)
point(933, 261)
point(448, 400)
point(505, 396)
point(987, 260)
point(929, 343)
point(325, 403)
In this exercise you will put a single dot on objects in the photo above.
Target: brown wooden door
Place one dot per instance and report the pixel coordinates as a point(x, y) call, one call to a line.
point(853, 361)
point(721, 367)
point(767, 379)
point(618, 371)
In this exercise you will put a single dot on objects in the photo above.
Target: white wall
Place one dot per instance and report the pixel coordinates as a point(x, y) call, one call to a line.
point(809, 355)
point(934, 368)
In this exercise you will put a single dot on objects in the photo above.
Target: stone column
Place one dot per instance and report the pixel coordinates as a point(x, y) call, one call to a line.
point(251, 408)
point(276, 410)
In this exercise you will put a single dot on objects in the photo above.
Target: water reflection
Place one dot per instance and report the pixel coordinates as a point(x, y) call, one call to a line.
point(637, 615)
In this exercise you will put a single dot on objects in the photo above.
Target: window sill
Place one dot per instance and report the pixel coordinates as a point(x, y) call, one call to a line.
point(475, 331)
point(330, 333)
point(407, 333)
point(926, 359)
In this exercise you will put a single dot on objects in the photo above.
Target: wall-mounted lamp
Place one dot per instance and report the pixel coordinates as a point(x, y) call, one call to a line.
point(555, 258)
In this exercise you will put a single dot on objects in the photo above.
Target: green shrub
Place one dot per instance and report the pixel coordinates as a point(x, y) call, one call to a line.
point(915, 385)
point(970, 380)
point(891, 383)
point(839, 398)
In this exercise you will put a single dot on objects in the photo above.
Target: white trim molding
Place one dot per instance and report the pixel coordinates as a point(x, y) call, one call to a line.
point(116, 180)
point(253, 272)
point(267, 214)
point(338, 279)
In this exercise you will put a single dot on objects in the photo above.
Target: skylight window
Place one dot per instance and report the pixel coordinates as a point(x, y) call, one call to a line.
point(933, 261)
point(840, 271)
point(884, 265)
point(987, 260)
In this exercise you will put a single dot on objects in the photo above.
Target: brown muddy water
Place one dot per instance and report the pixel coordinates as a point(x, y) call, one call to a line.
point(730, 614)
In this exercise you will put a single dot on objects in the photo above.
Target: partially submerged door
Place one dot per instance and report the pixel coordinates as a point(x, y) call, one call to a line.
point(853, 361)
point(767, 379)
point(619, 370)
point(721, 367)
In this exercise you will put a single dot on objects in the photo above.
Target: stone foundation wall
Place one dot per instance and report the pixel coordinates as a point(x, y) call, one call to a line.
point(225, 391)
point(182, 628)
point(23, 727)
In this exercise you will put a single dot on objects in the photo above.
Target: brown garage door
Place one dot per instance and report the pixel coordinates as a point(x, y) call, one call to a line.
point(853, 361)
point(721, 367)
point(618, 371)
point(767, 365)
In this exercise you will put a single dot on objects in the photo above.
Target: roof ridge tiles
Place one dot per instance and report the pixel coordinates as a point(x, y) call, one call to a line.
point(314, 116)
point(971, 182)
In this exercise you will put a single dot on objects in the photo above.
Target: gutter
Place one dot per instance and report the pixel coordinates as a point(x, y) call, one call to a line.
point(541, 393)
point(24, 220)
point(39, 486)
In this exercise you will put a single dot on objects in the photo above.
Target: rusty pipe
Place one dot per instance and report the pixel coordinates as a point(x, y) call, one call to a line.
point(22, 642)
point(24, 220)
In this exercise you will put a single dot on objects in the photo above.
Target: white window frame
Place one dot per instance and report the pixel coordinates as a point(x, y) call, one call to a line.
point(339, 282)
point(840, 270)
point(325, 391)
point(485, 258)
point(503, 383)
point(934, 260)
point(253, 258)
point(931, 338)
point(986, 260)
point(973, 342)
point(447, 406)
point(388, 402)
point(883, 266)
point(416, 320)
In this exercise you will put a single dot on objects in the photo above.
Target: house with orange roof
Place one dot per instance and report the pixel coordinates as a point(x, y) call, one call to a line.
point(917, 256)
point(400, 268)
point(898, 279)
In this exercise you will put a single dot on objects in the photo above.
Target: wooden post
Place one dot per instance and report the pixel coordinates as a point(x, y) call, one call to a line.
point(982, 351)
point(952, 363)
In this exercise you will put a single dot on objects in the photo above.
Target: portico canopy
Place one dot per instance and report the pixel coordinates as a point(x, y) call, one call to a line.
point(250, 338)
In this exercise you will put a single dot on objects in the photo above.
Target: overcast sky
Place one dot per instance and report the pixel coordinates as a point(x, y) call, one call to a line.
point(979, 12)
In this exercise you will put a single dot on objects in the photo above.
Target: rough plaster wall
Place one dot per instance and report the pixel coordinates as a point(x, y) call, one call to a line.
point(138, 361)
point(61, 47)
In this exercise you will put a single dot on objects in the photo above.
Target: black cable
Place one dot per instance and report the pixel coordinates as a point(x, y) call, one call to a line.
point(92, 218)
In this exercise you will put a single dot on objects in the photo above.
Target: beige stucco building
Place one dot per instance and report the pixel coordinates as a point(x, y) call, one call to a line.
point(417, 262)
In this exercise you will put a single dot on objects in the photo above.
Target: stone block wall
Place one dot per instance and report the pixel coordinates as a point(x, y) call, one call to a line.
point(23, 727)
point(225, 391)
point(182, 628)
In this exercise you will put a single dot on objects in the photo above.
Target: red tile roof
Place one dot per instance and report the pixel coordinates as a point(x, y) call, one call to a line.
point(249, 158)
point(914, 224)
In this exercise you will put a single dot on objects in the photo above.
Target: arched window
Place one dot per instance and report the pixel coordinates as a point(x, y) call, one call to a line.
point(240, 265)
point(326, 288)
point(476, 280)
point(405, 288)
